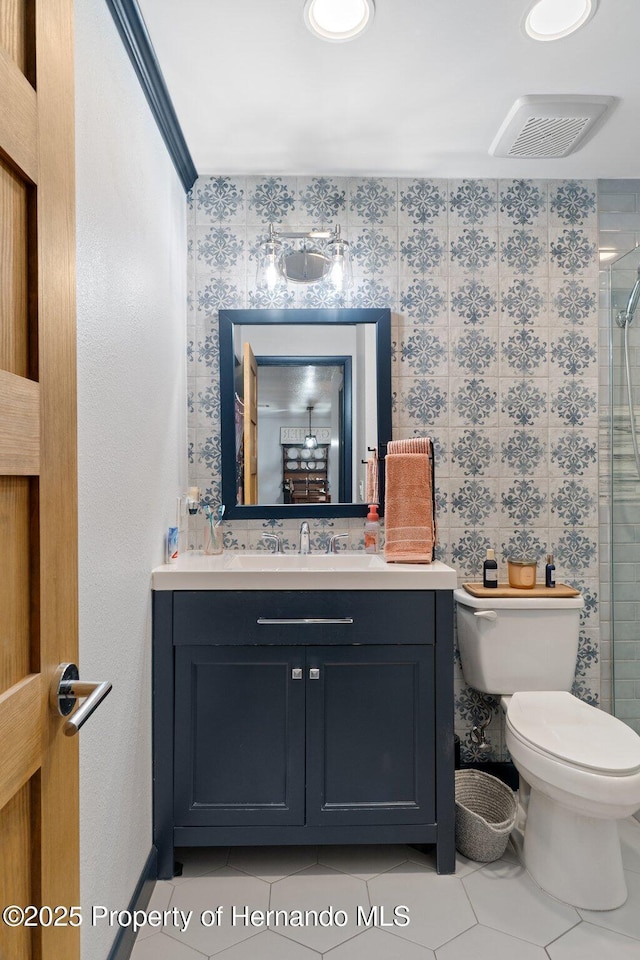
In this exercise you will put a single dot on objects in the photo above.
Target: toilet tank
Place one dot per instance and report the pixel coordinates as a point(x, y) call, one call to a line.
point(522, 643)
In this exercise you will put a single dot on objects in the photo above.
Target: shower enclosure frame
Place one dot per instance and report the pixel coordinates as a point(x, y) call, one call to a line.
point(624, 481)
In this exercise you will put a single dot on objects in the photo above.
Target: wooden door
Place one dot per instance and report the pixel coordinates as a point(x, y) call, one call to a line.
point(250, 385)
point(38, 586)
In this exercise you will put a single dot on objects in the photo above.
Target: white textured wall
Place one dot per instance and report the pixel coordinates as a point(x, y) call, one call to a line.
point(132, 442)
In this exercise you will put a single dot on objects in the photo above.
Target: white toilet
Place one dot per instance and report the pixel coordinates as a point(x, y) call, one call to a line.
point(579, 767)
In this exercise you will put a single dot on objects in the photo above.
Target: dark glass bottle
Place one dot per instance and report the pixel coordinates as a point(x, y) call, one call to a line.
point(550, 572)
point(490, 570)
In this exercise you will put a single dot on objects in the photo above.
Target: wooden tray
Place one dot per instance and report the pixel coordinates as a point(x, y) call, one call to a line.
point(561, 590)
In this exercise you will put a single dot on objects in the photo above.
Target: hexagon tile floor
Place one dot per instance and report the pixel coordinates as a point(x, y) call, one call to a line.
point(490, 912)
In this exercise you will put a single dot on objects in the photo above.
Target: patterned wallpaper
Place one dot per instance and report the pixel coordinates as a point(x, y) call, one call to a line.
point(493, 288)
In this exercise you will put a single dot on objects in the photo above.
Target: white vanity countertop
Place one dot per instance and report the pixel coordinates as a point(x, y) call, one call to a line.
point(244, 570)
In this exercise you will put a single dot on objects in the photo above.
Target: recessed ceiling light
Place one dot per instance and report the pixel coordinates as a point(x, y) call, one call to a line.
point(338, 20)
point(554, 19)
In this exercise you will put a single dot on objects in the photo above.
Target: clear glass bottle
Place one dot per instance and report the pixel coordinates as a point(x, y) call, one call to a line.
point(212, 539)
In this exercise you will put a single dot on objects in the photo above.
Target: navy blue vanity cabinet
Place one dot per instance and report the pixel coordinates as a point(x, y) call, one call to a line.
point(303, 717)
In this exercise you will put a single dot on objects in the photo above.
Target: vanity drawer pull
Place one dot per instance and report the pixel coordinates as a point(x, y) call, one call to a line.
point(304, 621)
point(314, 673)
point(296, 673)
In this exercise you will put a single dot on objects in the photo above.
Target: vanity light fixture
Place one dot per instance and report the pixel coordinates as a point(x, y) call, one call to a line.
point(554, 19)
point(310, 441)
point(275, 267)
point(338, 20)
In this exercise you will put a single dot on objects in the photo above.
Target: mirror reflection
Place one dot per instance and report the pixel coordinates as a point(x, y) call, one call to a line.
point(304, 435)
point(306, 399)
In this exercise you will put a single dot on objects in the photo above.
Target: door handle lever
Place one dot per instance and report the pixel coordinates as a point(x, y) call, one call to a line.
point(67, 689)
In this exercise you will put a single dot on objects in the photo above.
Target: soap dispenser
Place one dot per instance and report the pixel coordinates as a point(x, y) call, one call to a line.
point(372, 529)
point(490, 570)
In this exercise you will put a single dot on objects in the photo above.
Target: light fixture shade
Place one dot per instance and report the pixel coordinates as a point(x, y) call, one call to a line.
point(270, 272)
point(339, 274)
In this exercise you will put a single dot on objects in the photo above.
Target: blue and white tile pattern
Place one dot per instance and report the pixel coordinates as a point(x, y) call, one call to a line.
point(493, 288)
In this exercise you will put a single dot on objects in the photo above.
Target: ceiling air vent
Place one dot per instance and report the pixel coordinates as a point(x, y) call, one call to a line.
point(548, 126)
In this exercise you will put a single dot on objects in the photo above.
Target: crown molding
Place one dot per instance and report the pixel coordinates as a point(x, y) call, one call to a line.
point(137, 43)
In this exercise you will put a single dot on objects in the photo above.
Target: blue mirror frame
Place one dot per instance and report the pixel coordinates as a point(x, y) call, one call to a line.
point(343, 317)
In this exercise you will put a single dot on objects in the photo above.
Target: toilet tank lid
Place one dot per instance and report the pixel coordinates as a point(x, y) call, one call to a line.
point(517, 603)
point(558, 723)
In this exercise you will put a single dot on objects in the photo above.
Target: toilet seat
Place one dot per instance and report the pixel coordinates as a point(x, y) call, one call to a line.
point(557, 724)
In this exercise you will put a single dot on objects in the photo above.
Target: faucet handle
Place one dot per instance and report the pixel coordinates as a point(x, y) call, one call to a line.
point(276, 539)
point(333, 542)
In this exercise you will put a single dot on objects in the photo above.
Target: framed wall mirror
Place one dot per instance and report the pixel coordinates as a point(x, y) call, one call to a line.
point(305, 397)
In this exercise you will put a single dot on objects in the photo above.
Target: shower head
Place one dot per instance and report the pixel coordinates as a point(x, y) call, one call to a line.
point(634, 297)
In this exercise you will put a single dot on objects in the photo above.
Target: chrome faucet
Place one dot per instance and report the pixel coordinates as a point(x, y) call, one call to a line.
point(333, 542)
point(305, 546)
point(275, 539)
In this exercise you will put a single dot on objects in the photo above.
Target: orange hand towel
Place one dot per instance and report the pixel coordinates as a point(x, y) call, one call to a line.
point(412, 445)
point(409, 517)
point(371, 491)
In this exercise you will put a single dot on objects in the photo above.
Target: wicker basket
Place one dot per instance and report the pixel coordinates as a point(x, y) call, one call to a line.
point(485, 815)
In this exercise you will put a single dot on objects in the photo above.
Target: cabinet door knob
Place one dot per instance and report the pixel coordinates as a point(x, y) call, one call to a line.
point(296, 673)
point(314, 673)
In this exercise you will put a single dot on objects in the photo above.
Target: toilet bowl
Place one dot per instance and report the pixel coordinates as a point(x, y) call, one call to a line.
point(582, 767)
point(579, 767)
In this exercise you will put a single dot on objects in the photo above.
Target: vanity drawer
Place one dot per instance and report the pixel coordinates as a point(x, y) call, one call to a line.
point(275, 617)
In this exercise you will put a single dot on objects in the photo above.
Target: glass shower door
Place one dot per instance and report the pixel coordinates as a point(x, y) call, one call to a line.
point(625, 491)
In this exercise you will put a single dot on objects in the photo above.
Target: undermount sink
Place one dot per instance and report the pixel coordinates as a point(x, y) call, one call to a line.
point(273, 562)
point(240, 570)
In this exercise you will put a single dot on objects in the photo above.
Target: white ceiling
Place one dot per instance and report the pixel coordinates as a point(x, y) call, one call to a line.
point(292, 389)
point(422, 93)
